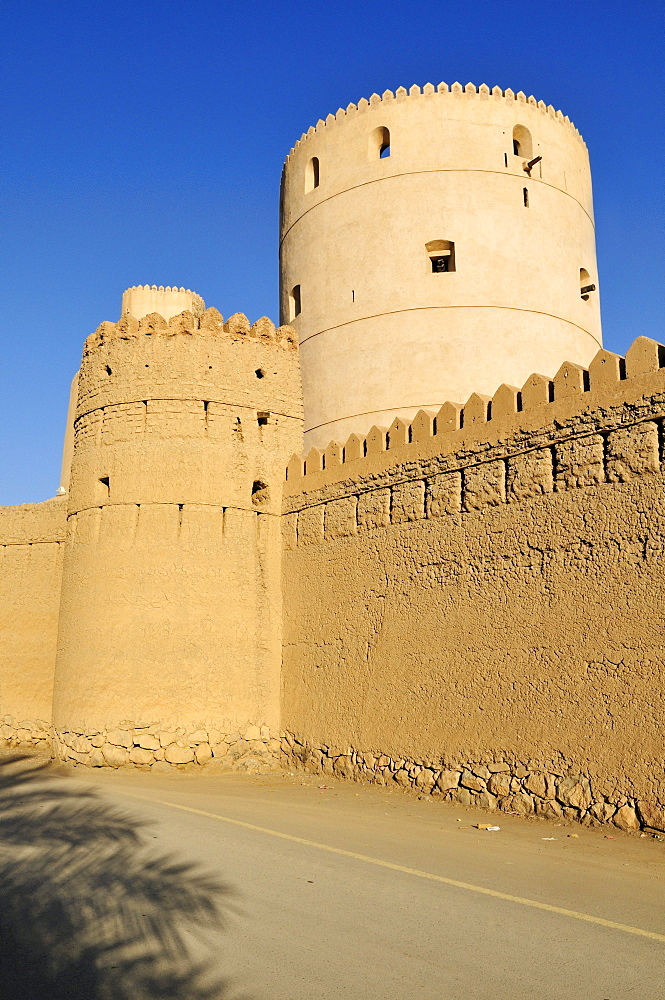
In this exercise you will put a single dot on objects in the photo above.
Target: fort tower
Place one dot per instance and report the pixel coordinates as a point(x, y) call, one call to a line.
point(435, 244)
point(170, 610)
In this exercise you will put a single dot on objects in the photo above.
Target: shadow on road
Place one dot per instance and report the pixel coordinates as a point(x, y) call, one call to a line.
point(86, 912)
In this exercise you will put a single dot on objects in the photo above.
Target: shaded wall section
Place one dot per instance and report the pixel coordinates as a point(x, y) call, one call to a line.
point(31, 537)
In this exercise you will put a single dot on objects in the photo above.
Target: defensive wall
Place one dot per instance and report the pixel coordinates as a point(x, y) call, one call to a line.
point(474, 602)
point(31, 551)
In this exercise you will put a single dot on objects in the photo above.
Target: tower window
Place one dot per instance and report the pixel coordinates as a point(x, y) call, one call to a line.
point(262, 418)
point(103, 488)
point(295, 305)
point(260, 493)
point(312, 174)
point(380, 142)
point(525, 192)
point(586, 285)
point(441, 254)
point(522, 142)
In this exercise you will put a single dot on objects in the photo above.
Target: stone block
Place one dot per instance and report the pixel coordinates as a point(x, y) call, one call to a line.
point(203, 753)
point(114, 755)
point(407, 502)
point(140, 756)
point(575, 792)
point(120, 738)
point(97, 758)
point(252, 733)
point(310, 525)
point(199, 736)
point(340, 518)
point(81, 745)
point(603, 811)
point(374, 509)
point(444, 494)
point(530, 475)
point(167, 738)
point(626, 819)
point(651, 814)
point(147, 742)
point(486, 801)
point(541, 785)
point(178, 755)
point(484, 485)
point(499, 784)
point(632, 451)
point(471, 781)
point(448, 779)
point(521, 803)
point(343, 767)
point(548, 809)
point(579, 462)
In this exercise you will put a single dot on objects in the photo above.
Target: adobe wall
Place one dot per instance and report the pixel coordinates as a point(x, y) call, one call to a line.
point(479, 613)
point(31, 537)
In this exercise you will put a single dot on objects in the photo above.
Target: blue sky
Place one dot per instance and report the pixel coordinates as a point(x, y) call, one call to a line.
point(143, 143)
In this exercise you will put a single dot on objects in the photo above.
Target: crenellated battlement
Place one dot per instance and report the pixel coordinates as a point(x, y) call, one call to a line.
point(210, 321)
point(612, 392)
point(442, 90)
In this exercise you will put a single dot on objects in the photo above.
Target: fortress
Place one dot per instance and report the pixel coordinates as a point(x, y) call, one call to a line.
point(436, 562)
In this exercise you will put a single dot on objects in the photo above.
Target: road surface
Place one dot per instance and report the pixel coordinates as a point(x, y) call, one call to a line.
point(371, 894)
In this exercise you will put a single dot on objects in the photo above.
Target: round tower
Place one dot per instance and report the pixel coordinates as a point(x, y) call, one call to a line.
point(170, 622)
point(434, 244)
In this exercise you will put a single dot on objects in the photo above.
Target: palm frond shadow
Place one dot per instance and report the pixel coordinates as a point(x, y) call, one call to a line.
point(85, 912)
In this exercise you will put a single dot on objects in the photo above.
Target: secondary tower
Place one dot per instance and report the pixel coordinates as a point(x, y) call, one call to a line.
point(170, 613)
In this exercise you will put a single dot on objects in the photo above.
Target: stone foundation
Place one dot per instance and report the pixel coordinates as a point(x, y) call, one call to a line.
point(130, 745)
point(509, 787)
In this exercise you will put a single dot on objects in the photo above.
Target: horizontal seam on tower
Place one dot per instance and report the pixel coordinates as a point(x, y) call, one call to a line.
point(385, 409)
point(395, 312)
point(179, 399)
point(169, 503)
point(438, 170)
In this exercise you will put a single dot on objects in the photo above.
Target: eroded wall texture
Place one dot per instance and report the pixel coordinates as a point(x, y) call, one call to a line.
point(31, 548)
point(482, 616)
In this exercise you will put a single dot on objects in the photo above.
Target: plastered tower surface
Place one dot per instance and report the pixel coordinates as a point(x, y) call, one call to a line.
point(169, 637)
point(447, 267)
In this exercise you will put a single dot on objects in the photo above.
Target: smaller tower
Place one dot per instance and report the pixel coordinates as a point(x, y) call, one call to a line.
point(171, 610)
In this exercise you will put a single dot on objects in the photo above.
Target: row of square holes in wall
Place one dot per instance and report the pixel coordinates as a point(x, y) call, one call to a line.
point(379, 148)
point(441, 255)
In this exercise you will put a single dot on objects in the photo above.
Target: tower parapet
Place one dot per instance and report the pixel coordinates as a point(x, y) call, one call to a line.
point(140, 300)
point(434, 243)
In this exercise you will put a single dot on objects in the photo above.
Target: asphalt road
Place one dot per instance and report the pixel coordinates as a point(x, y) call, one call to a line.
point(365, 893)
